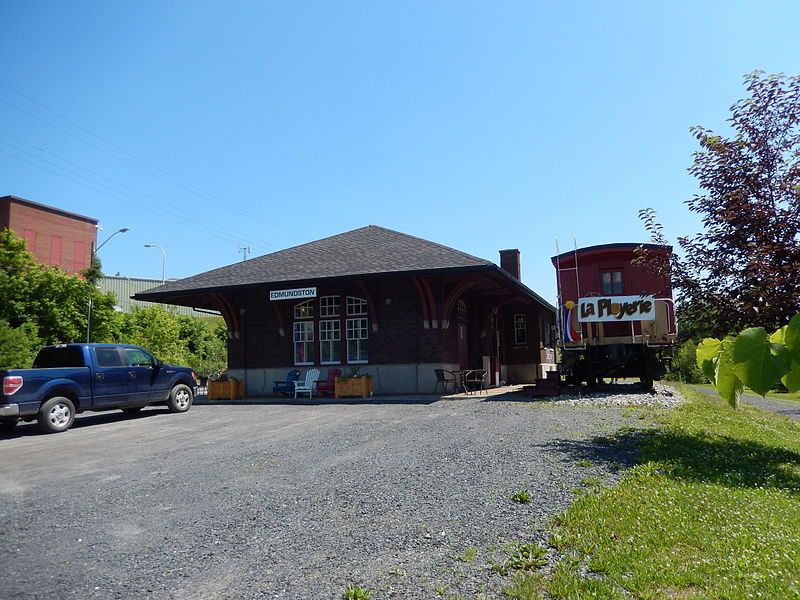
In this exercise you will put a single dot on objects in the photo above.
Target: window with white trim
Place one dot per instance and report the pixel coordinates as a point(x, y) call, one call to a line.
point(356, 306)
point(304, 310)
point(520, 330)
point(330, 335)
point(357, 332)
point(303, 342)
point(329, 306)
point(612, 282)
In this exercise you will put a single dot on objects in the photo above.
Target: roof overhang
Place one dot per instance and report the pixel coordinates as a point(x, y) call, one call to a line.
point(201, 297)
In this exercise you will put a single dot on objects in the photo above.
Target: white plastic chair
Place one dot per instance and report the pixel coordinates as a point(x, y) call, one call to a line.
point(312, 375)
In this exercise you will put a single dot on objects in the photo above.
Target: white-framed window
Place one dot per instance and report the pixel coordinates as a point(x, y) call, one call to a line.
point(330, 335)
point(303, 342)
point(304, 310)
point(356, 306)
point(329, 306)
point(612, 282)
point(520, 330)
point(357, 331)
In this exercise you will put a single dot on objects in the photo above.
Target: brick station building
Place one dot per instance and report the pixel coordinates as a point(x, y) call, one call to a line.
point(394, 305)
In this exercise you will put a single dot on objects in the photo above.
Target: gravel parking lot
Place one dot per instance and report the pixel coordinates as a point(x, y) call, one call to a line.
point(292, 501)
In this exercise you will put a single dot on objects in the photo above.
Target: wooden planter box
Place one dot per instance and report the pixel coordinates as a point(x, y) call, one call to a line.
point(354, 386)
point(232, 389)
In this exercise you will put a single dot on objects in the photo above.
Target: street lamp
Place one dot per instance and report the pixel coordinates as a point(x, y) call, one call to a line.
point(163, 260)
point(91, 263)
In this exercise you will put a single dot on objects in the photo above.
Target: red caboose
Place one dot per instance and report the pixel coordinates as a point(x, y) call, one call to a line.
point(616, 317)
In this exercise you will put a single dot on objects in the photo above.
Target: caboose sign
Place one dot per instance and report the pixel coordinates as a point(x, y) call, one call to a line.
point(616, 308)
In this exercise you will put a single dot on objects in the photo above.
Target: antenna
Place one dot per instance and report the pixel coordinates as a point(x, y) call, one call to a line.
point(244, 251)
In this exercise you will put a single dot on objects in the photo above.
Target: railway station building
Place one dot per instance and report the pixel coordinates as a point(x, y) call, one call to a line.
point(392, 305)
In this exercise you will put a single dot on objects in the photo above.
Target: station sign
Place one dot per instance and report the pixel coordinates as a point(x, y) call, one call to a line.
point(296, 294)
point(604, 309)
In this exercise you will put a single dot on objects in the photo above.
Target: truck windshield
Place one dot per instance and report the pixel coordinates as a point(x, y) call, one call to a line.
point(50, 358)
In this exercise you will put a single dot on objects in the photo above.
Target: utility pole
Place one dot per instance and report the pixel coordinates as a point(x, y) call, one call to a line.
point(244, 251)
point(94, 254)
point(163, 261)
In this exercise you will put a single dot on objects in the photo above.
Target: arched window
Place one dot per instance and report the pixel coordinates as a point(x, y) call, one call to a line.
point(463, 313)
point(304, 310)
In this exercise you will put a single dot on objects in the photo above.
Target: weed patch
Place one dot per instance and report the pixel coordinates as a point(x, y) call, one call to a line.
point(521, 497)
point(356, 592)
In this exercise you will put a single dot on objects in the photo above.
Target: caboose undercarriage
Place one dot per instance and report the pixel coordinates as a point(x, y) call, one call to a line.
point(591, 364)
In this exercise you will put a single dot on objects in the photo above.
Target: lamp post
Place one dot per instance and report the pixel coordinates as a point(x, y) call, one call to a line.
point(163, 261)
point(91, 263)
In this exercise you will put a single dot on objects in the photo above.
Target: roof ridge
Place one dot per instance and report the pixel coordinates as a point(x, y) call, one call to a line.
point(414, 237)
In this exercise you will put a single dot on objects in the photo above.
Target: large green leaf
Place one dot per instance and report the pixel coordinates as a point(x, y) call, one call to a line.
point(792, 379)
point(756, 362)
point(707, 354)
point(728, 385)
point(791, 337)
point(779, 336)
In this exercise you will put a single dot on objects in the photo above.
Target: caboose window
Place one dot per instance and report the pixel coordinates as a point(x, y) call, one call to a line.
point(612, 282)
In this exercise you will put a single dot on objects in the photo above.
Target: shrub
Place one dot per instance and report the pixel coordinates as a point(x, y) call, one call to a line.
point(684, 366)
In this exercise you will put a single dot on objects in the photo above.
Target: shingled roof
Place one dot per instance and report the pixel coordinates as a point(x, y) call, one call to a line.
point(369, 250)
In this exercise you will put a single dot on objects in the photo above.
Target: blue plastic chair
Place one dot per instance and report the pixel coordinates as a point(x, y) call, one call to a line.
point(287, 387)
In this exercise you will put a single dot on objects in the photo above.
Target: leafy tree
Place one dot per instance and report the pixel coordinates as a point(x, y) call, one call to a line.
point(179, 339)
point(55, 302)
point(684, 366)
point(207, 352)
point(156, 329)
point(744, 268)
point(18, 345)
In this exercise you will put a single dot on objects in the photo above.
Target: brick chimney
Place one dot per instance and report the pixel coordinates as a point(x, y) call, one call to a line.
point(509, 262)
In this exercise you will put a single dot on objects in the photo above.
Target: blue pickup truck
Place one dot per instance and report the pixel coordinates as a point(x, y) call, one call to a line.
point(70, 378)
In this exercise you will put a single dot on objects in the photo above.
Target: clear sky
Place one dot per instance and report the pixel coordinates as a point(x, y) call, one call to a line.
point(205, 126)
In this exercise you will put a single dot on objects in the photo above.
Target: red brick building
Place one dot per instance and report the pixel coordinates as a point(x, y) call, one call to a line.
point(394, 305)
point(55, 237)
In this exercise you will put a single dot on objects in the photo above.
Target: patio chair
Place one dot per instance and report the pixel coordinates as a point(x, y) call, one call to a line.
point(444, 380)
point(329, 385)
point(312, 375)
point(475, 381)
point(287, 387)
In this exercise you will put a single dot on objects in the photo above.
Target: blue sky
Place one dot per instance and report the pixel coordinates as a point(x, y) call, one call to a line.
point(204, 126)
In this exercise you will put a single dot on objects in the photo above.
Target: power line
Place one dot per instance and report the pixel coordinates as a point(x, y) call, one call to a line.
point(173, 179)
point(165, 215)
point(136, 196)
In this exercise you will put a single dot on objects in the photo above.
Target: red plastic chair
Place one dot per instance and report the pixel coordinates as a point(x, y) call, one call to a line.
point(329, 385)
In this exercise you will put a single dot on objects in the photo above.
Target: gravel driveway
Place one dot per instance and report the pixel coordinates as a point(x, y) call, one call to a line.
point(291, 501)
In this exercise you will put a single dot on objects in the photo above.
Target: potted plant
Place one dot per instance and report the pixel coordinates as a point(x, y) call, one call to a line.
point(354, 384)
point(222, 386)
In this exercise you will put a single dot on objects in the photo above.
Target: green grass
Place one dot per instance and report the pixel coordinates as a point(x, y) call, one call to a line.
point(521, 497)
point(713, 511)
point(792, 396)
point(469, 554)
point(355, 592)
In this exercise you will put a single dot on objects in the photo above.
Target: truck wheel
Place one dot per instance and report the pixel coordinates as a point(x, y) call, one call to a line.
point(8, 425)
point(56, 414)
point(180, 398)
